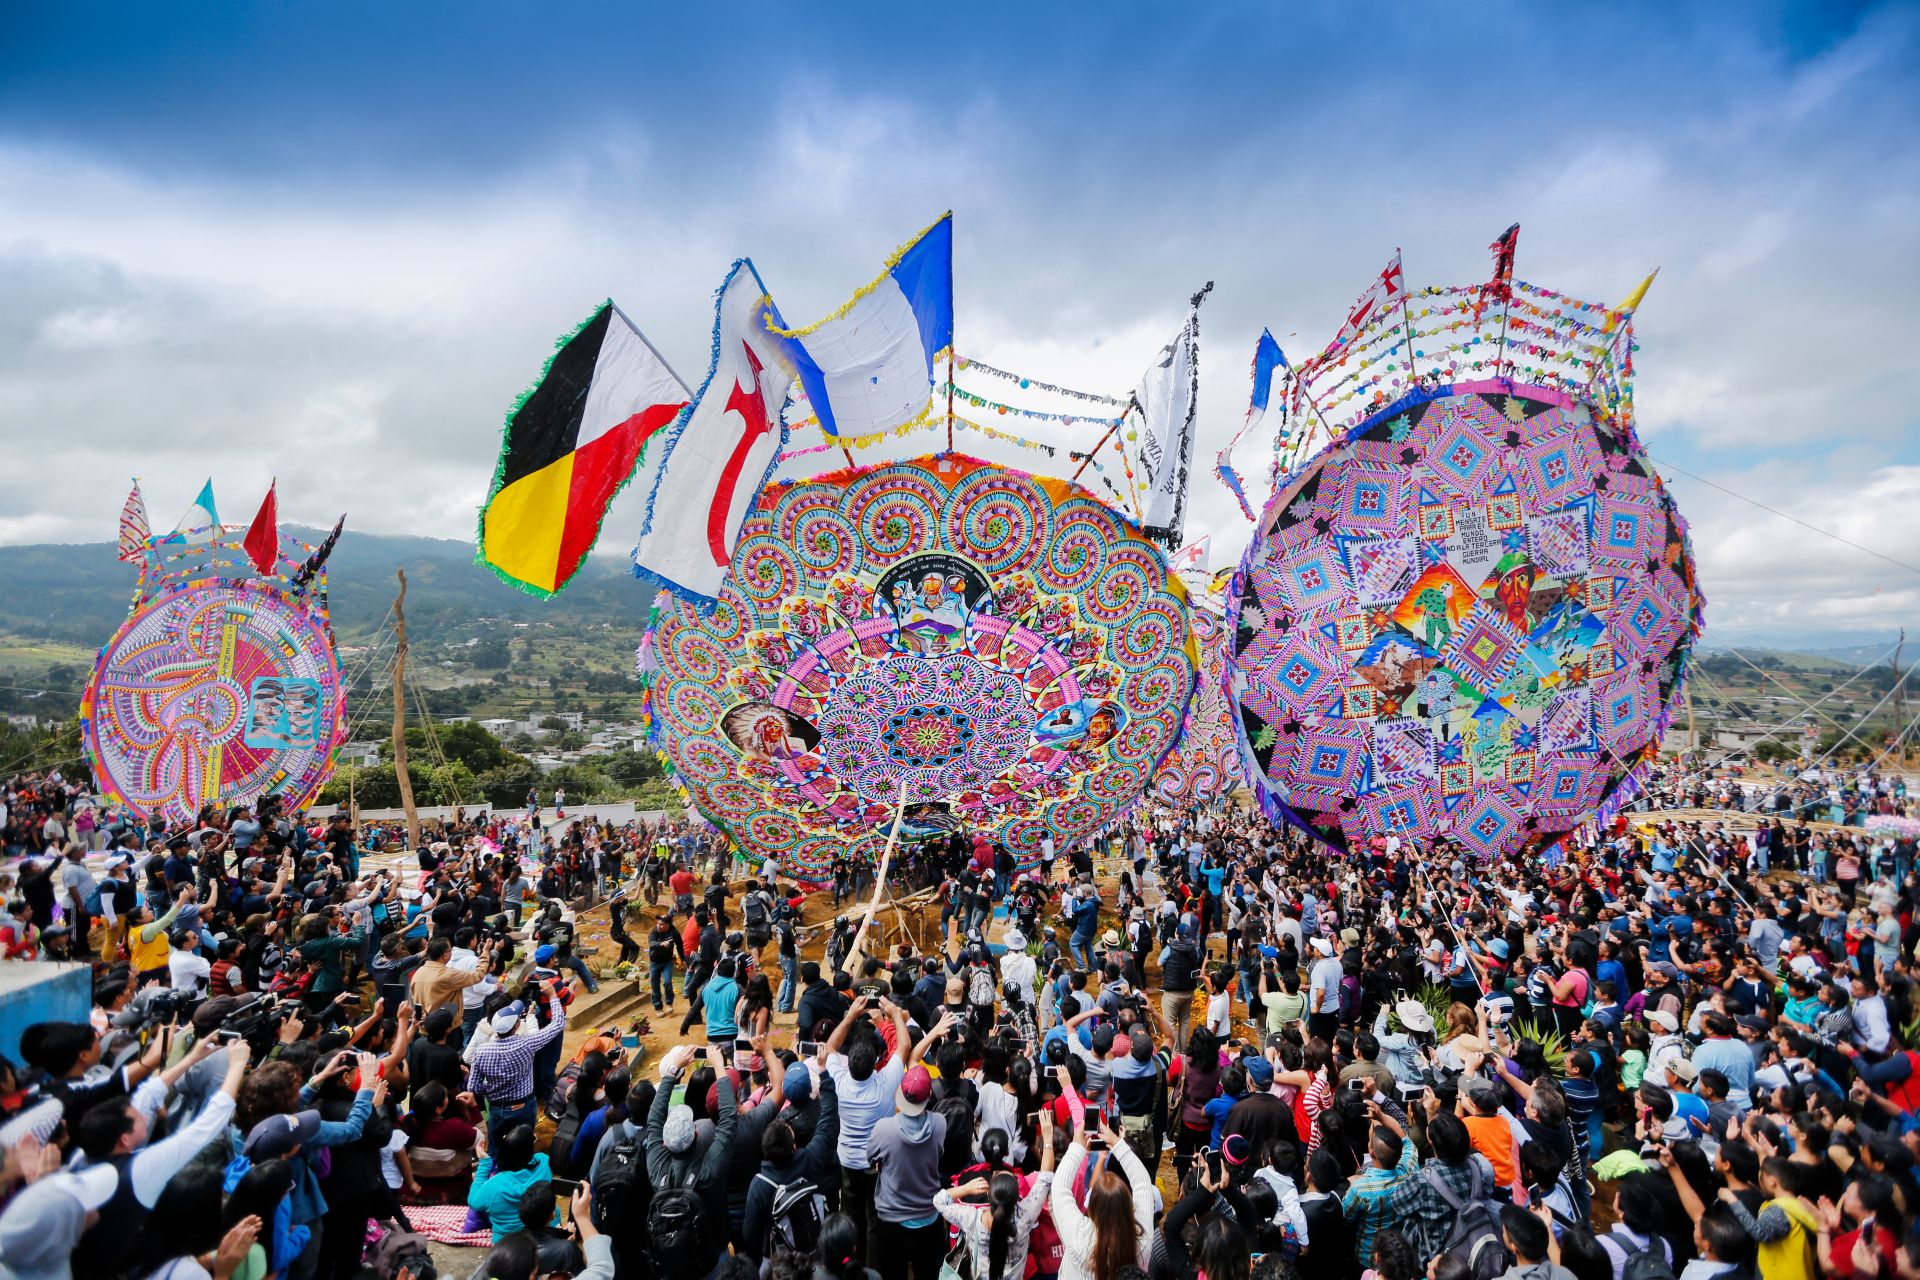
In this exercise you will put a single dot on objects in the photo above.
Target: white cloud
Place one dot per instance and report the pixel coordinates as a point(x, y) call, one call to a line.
point(362, 342)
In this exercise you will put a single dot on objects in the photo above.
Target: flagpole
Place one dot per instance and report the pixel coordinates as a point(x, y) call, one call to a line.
point(1406, 318)
point(949, 397)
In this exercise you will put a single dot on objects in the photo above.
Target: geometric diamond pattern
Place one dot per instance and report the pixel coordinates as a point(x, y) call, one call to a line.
point(1473, 613)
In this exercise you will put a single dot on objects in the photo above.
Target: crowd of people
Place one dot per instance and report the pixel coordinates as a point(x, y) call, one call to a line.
point(1201, 1048)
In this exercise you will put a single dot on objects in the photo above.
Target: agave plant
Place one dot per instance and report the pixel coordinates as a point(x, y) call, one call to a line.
point(1433, 997)
point(1552, 1043)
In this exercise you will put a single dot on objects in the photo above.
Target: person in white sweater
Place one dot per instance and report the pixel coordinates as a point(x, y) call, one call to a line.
point(1116, 1228)
point(994, 1218)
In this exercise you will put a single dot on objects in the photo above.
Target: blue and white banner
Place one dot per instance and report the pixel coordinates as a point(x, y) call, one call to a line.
point(868, 367)
point(1267, 357)
point(202, 521)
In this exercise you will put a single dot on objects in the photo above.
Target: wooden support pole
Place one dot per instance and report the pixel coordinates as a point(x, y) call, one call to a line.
point(400, 714)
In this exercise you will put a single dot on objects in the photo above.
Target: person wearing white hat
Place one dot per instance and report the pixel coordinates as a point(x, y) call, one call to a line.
point(1323, 989)
point(42, 1225)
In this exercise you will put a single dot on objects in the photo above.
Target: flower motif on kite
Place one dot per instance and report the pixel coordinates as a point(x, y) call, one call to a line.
point(1467, 619)
point(943, 653)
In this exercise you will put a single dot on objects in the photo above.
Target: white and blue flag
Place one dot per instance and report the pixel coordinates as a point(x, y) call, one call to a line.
point(868, 367)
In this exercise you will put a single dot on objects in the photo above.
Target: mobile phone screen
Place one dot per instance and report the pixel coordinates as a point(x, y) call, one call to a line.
point(1213, 1164)
point(807, 1048)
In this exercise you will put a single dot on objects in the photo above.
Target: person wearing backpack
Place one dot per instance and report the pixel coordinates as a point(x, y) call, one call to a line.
point(756, 906)
point(1429, 1204)
point(782, 1209)
point(1634, 1244)
point(684, 1235)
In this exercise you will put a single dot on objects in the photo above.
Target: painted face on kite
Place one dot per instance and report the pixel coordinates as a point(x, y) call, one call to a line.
point(1005, 648)
point(1467, 619)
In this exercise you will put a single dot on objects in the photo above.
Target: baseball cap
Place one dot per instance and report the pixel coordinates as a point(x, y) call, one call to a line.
point(1259, 1072)
point(677, 1134)
point(798, 1083)
point(916, 1087)
point(276, 1135)
point(1683, 1070)
point(1664, 1020)
point(544, 952)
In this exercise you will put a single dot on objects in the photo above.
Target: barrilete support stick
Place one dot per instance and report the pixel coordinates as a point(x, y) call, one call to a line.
point(854, 952)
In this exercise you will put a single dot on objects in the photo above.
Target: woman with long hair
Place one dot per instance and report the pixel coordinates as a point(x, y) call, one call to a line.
point(1317, 1084)
point(584, 1101)
point(753, 1016)
point(836, 1252)
point(183, 1238)
point(265, 1193)
point(994, 1219)
point(1115, 1230)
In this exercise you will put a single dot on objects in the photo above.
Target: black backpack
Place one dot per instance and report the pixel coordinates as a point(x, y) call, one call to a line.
point(1475, 1237)
point(1645, 1264)
point(677, 1232)
point(755, 910)
point(794, 1219)
point(622, 1172)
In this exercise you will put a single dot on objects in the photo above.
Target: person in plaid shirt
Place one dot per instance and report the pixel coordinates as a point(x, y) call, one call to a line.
point(1424, 1214)
point(1368, 1203)
point(501, 1071)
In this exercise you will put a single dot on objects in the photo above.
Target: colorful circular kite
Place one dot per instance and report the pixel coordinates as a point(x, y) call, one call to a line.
point(1468, 618)
point(214, 692)
point(1005, 647)
point(1205, 764)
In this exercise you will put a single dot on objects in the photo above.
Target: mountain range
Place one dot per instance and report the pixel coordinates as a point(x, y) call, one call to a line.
point(77, 593)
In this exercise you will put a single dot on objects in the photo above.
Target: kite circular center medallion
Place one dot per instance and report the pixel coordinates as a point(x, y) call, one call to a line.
point(936, 725)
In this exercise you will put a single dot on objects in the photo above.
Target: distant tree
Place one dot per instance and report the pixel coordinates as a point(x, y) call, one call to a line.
point(570, 740)
point(491, 654)
point(632, 768)
point(505, 786)
point(553, 723)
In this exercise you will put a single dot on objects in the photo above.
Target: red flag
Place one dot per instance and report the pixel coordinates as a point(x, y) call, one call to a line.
point(1500, 288)
point(263, 535)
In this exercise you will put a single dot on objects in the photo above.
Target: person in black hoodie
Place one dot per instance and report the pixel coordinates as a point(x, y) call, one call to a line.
point(1180, 965)
point(681, 1160)
point(354, 1185)
point(819, 1003)
point(783, 1161)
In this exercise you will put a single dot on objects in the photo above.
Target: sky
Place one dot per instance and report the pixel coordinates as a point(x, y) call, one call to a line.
point(330, 242)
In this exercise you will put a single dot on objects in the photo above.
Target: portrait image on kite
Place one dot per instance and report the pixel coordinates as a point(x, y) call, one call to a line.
point(963, 644)
point(222, 686)
point(1468, 616)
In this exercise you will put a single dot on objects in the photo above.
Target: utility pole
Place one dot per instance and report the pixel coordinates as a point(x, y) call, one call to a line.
point(400, 714)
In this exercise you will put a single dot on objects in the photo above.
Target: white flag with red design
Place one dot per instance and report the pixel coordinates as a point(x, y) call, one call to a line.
point(1385, 293)
point(723, 450)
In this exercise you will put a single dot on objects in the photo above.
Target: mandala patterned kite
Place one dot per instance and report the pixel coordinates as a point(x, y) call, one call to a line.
point(1205, 764)
point(1005, 646)
point(1467, 618)
point(215, 692)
